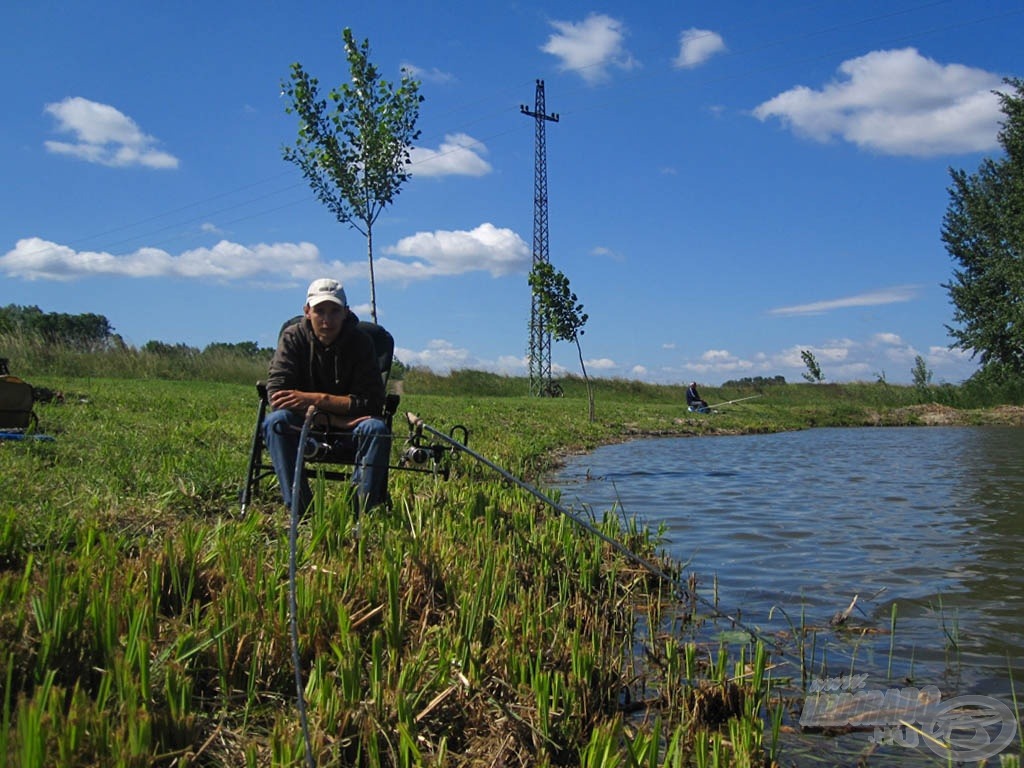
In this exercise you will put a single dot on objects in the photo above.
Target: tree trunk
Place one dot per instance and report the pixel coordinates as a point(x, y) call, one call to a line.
point(373, 286)
point(586, 379)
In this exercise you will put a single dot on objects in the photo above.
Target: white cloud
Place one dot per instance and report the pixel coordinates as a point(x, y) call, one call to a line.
point(589, 48)
point(896, 102)
point(881, 354)
point(36, 259)
point(892, 339)
point(835, 354)
point(713, 355)
point(442, 356)
point(946, 356)
point(893, 295)
point(903, 354)
point(488, 248)
point(697, 46)
point(361, 310)
point(432, 75)
point(105, 136)
point(600, 250)
point(433, 254)
point(458, 155)
point(718, 361)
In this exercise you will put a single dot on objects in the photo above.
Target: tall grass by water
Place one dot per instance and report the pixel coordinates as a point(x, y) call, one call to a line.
point(143, 621)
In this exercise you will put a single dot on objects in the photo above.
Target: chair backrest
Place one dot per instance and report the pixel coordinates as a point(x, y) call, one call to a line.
point(383, 343)
point(16, 399)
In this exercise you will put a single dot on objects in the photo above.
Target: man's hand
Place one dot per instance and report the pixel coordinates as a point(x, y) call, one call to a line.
point(297, 400)
point(292, 399)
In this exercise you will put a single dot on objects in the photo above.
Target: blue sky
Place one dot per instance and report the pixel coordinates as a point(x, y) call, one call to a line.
point(729, 183)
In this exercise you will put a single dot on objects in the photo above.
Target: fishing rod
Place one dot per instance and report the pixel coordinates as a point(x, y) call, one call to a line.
point(737, 400)
point(293, 608)
point(418, 426)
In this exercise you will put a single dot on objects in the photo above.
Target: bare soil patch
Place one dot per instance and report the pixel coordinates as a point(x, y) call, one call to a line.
point(934, 414)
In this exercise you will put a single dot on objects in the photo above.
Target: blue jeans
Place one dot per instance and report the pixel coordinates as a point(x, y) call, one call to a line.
point(372, 443)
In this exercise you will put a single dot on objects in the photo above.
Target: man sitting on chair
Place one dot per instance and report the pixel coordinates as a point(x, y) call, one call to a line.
point(694, 402)
point(327, 362)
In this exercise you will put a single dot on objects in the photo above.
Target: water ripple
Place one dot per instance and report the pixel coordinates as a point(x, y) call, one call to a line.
point(931, 519)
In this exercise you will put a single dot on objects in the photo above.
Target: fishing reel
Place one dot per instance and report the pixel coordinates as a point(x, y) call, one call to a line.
point(420, 455)
point(316, 450)
point(423, 455)
point(319, 445)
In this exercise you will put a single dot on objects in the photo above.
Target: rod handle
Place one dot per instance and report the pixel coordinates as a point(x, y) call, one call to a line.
point(415, 422)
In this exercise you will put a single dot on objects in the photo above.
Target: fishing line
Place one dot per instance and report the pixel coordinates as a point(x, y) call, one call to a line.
point(730, 402)
point(292, 602)
point(681, 593)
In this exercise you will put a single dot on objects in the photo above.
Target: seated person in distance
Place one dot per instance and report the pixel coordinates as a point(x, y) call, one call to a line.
point(694, 402)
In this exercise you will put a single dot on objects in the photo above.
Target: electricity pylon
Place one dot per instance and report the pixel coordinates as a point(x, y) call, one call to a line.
point(540, 338)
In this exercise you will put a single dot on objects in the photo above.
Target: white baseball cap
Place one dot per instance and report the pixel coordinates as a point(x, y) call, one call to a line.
point(326, 289)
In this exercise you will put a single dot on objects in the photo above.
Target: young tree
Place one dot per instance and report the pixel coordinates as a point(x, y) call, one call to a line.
point(355, 154)
point(813, 373)
point(983, 230)
point(922, 377)
point(561, 312)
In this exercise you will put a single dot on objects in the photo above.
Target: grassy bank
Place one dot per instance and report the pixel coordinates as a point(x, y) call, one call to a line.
point(143, 621)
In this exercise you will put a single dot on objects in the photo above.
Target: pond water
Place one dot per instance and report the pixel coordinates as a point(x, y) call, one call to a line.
point(786, 529)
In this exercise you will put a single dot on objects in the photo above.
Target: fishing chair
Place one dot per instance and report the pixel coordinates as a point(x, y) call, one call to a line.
point(17, 398)
point(329, 450)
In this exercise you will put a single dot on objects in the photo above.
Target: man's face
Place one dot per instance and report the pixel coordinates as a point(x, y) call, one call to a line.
point(326, 319)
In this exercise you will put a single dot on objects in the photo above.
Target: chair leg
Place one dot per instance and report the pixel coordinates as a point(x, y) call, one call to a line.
point(252, 477)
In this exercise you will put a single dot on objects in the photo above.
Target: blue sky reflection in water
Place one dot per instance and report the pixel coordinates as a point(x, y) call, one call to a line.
point(929, 518)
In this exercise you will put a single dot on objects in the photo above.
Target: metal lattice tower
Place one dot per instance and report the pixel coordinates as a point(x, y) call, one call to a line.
point(540, 339)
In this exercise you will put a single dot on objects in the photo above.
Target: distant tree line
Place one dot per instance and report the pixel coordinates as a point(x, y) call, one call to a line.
point(87, 332)
point(94, 333)
point(244, 349)
point(755, 381)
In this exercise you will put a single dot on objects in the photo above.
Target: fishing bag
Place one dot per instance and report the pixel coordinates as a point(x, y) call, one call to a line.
point(16, 399)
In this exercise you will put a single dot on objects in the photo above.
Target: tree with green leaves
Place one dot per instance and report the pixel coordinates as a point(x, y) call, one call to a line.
point(983, 230)
point(920, 373)
point(355, 153)
point(561, 313)
point(86, 332)
point(813, 373)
